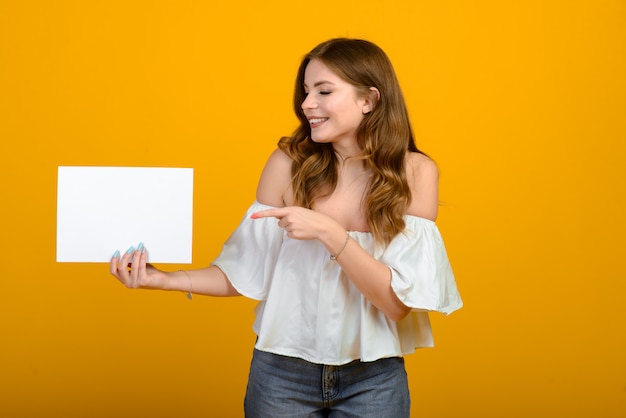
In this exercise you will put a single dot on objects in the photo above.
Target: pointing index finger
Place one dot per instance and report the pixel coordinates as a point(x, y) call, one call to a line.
point(268, 213)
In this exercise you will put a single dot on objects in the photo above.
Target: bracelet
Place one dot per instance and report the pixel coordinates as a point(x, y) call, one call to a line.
point(189, 294)
point(334, 257)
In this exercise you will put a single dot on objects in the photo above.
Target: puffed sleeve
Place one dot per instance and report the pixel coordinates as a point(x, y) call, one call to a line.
point(249, 255)
point(422, 277)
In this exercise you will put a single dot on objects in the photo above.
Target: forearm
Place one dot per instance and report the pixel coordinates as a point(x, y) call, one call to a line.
point(210, 281)
point(371, 277)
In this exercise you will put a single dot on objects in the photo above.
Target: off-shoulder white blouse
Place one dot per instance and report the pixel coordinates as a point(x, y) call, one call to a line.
point(308, 308)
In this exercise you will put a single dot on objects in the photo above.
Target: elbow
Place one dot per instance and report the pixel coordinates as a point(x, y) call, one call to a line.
point(399, 312)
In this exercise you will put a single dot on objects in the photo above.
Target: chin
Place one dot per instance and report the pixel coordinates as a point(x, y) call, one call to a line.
point(319, 140)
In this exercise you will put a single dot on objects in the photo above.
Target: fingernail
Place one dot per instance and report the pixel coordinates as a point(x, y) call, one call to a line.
point(116, 253)
point(254, 216)
point(143, 249)
point(130, 250)
point(140, 246)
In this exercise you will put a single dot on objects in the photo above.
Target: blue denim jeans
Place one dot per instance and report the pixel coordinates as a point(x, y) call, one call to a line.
point(280, 387)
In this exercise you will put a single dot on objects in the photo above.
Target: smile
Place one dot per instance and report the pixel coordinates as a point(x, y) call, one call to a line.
point(317, 121)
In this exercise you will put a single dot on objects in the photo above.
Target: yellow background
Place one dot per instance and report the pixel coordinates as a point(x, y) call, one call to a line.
point(522, 104)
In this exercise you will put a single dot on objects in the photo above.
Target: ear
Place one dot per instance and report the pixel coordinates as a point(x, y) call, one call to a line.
point(371, 99)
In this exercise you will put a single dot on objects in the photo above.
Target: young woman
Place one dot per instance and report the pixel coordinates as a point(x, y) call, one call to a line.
point(340, 248)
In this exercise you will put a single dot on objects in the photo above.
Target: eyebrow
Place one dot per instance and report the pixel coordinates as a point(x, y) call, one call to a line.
point(319, 83)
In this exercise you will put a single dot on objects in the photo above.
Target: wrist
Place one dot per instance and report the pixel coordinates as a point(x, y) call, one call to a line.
point(172, 280)
point(337, 242)
point(190, 288)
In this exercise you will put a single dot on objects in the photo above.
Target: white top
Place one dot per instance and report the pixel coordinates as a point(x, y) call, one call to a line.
point(310, 309)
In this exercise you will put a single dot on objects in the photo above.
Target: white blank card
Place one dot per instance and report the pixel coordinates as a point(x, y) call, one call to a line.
point(104, 209)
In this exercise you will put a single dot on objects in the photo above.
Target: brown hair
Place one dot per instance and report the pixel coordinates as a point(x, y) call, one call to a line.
point(385, 135)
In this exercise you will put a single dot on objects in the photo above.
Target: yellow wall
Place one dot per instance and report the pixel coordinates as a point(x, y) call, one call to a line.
point(523, 105)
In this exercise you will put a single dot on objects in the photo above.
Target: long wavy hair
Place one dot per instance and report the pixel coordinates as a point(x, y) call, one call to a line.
point(384, 136)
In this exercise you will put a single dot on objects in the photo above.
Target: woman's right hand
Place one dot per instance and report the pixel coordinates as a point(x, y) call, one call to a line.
point(133, 270)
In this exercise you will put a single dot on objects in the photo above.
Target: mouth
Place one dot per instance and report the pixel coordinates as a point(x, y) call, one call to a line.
point(315, 122)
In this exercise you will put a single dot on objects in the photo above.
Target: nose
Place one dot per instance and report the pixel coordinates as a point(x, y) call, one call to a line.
point(308, 102)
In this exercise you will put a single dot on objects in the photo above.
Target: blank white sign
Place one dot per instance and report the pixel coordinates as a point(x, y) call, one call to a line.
point(104, 209)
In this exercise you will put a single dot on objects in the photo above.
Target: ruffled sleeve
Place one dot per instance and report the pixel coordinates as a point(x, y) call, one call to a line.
point(248, 257)
point(422, 277)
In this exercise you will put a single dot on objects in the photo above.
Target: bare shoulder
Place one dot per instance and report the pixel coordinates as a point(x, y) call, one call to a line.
point(275, 181)
point(423, 177)
point(420, 168)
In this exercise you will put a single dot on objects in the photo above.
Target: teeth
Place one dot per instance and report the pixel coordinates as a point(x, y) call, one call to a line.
point(317, 120)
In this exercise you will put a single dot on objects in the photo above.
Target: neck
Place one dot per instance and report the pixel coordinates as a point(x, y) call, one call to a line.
point(342, 158)
point(344, 155)
point(349, 163)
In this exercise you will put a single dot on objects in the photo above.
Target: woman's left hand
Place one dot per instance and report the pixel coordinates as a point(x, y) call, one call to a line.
point(300, 223)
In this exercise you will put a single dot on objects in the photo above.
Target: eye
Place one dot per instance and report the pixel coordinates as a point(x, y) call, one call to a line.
point(325, 92)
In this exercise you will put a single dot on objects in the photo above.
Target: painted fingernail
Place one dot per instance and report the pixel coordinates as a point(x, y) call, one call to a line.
point(143, 249)
point(254, 216)
point(130, 250)
point(140, 246)
point(116, 253)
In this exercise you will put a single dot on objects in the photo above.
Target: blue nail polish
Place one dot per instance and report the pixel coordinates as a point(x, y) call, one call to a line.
point(143, 250)
point(130, 250)
point(140, 246)
point(116, 253)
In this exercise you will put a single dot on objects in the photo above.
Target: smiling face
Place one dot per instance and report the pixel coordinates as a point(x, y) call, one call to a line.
point(332, 106)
